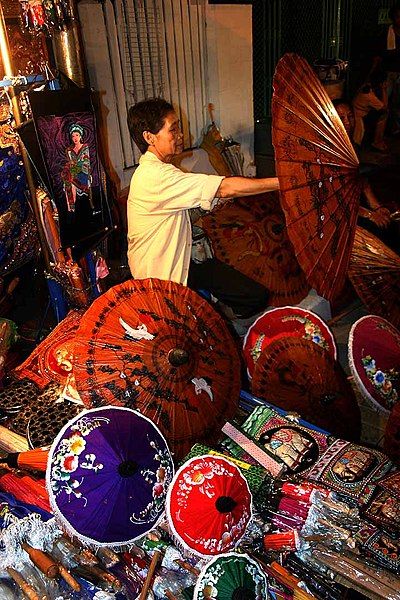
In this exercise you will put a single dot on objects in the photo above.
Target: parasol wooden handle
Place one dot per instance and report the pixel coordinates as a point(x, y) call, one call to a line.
point(43, 561)
point(188, 567)
point(68, 578)
point(150, 573)
point(27, 589)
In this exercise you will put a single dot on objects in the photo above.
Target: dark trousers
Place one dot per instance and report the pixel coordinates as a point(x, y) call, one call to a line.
point(243, 295)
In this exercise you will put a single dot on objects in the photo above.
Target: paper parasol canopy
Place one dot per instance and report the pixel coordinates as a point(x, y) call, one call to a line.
point(107, 476)
point(300, 376)
point(282, 322)
point(250, 235)
point(375, 273)
point(231, 576)
point(318, 174)
point(374, 359)
point(208, 505)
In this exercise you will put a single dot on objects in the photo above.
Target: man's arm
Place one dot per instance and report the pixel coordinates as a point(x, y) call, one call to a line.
point(234, 187)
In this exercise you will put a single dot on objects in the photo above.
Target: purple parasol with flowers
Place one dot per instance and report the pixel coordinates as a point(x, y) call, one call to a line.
point(107, 476)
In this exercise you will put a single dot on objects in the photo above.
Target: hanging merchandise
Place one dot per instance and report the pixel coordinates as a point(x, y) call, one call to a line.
point(300, 376)
point(287, 321)
point(208, 505)
point(375, 273)
point(250, 235)
point(107, 476)
point(44, 15)
point(374, 359)
point(158, 347)
point(318, 173)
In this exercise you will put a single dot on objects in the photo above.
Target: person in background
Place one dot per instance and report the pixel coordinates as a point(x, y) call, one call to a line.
point(160, 197)
point(371, 97)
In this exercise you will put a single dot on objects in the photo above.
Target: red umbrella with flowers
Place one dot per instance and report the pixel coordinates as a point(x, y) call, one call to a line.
point(158, 347)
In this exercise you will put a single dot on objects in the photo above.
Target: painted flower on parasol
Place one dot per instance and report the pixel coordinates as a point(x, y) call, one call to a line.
point(287, 321)
point(374, 359)
point(157, 347)
point(107, 476)
point(208, 505)
point(231, 576)
point(298, 375)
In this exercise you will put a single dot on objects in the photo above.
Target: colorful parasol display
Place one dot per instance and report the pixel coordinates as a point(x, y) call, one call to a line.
point(107, 476)
point(287, 321)
point(250, 235)
point(375, 273)
point(158, 347)
point(318, 174)
point(374, 359)
point(208, 505)
point(231, 576)
point(298, 375)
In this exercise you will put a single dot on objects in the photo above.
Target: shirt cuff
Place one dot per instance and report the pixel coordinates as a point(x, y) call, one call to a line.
point(210, 189)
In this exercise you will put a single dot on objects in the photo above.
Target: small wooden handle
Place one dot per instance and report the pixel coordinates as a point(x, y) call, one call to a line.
point(188, 567)
point(43, 561)
point(150, 573)
point(28, 590)
point(69, 579)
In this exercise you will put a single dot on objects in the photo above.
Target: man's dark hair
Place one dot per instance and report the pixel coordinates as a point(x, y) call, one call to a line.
point(148, 115)
point(340, 101)
point(393, 10)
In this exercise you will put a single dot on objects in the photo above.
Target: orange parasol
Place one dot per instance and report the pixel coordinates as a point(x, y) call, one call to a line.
point(298, 375)
point(250, 235)
point(375, 273)
point(157, 347)
point(318, 174)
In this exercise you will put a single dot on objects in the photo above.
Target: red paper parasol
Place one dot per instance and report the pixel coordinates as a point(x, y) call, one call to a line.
point(208, 505)
point(300, 376)
point(375, 273)
point(158, 347)
point(51, 360)
point(287, 321)
point(318, 174)
point(250, 235)
point(374, 359)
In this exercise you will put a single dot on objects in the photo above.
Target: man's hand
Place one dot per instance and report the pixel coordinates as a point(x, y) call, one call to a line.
point(380, 216)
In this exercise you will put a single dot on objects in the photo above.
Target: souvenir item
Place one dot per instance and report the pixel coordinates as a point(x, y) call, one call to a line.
point(391, 443)
point(16, 395)
point(288, 321)
point(374, 359)
point(12, 442)
point(318, 173)
point(107, 476)
point(384, 510)
point(26, 489)
point(158, 347)
point(382, 547)
point(391, 483)
point(374, 271)
point(250, 235)
point(208, 505)
point(231, 576)
point(300, 376)
point(52, 359)
point(298, 447)
point(351, 470)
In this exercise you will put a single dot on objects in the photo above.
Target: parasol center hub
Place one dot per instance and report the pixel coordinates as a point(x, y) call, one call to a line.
point(242, 593)
point(127, 468)
point(178, 357)
point(225, 504)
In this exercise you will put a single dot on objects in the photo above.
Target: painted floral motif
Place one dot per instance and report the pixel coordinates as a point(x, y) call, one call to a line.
point(68, 458)
point(311, 330)
point(381, 380)
point(256, 350)
point(220, 574)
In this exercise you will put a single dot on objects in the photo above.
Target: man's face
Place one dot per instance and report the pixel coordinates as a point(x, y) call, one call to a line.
point(169, 140)
point(346, 116)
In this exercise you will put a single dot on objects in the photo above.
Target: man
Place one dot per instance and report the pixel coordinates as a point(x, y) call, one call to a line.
point(160, 196)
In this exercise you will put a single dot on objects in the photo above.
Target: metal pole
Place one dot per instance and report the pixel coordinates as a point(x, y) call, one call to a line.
point(6, 59)
point(68, 48)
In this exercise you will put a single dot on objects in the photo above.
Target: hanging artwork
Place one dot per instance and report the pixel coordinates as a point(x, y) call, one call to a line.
point(63, 148)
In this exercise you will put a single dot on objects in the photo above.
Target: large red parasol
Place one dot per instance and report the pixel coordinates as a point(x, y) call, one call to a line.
point(208, 505)
point(375, 273)
point(300, 376)
point(158, 347)
point(250, 235)
point(318, 174)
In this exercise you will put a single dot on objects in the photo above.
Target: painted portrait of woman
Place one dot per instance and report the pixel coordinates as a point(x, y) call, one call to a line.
point(76, 175)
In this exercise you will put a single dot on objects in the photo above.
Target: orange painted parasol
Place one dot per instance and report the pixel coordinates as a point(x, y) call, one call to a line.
point(318, 173)
point(250, 235)
point(375, 273)
point(157, 347)
point(298, 375)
